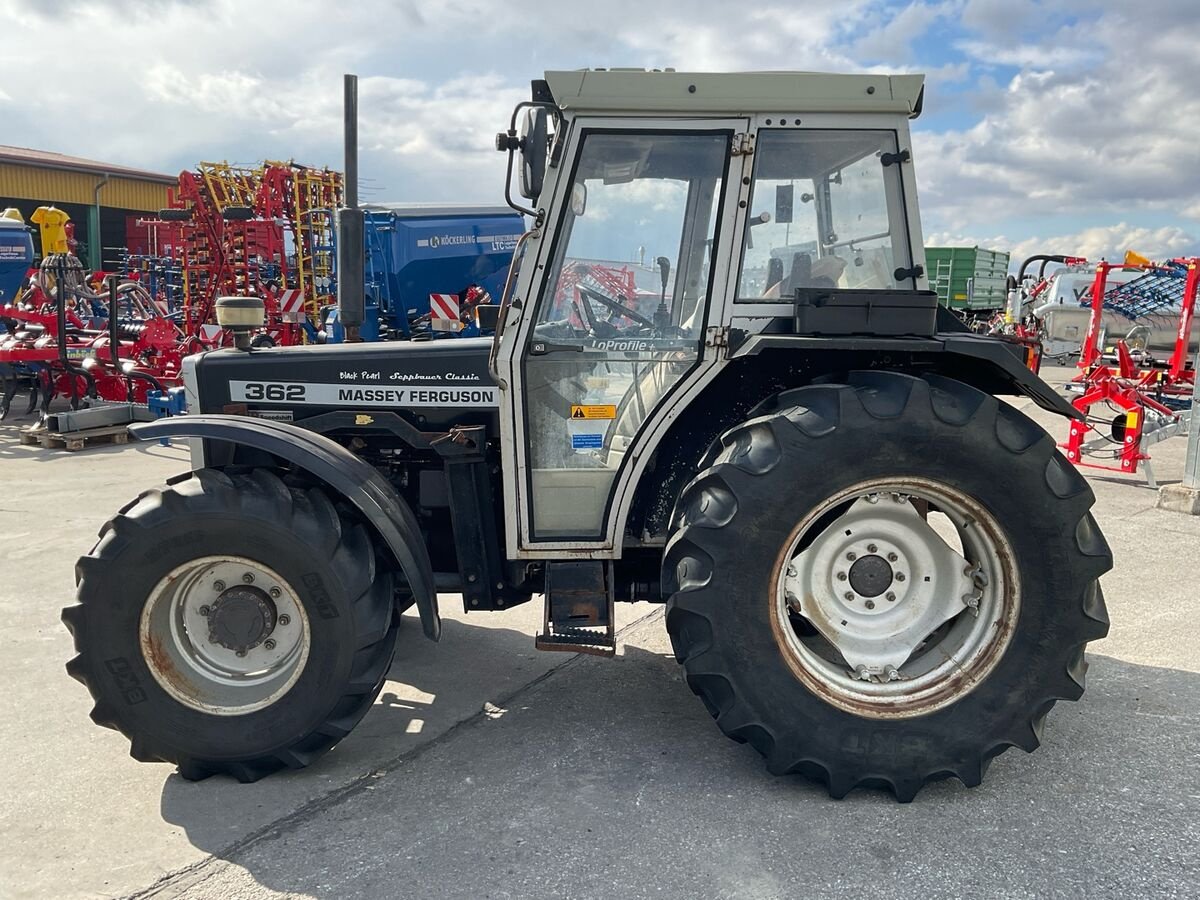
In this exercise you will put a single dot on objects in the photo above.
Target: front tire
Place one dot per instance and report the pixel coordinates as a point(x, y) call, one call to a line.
point(232, 624)
point(817, 617)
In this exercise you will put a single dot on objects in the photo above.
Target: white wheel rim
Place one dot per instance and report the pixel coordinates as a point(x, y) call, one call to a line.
point(224, 635)
point(878, 612)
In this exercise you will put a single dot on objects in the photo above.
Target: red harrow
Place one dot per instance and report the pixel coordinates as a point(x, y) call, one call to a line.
point(69, 341)
point(1147, 400)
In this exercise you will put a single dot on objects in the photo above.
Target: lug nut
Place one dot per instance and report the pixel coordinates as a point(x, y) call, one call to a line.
point(269, 644)
point(891, 596)
point(248, 578)
point(848, 595)
point(892, 557)
point(841, 576)
point(218, 585)
point(204, 610)
point(285, 619)
point(871, 548)
point(241, 653)
point(870, 604)
point(275, 592)
point(852, 556)
point(900, 576)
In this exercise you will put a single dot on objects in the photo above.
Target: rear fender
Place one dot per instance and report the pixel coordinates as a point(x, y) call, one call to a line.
point(336, 468)
point(995, 367)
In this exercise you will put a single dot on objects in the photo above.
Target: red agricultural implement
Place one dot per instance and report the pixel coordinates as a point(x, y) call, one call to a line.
point(1146, 399)
point(73, 342)
point(262, 231)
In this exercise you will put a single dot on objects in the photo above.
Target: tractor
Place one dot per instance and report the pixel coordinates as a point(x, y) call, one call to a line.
point(876, 570)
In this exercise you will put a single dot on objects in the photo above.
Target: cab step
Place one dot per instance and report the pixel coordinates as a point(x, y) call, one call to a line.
point(579, 609)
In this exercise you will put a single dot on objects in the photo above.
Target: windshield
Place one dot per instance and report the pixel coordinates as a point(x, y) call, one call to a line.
point(825, 212)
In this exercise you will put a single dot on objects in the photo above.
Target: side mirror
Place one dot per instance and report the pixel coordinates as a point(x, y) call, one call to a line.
point(533, 153)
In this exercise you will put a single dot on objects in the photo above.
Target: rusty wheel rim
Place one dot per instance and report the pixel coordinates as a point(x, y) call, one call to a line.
point(224, 635)
point(879, 647)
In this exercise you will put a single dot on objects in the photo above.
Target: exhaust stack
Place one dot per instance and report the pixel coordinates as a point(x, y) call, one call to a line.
point(350, 227)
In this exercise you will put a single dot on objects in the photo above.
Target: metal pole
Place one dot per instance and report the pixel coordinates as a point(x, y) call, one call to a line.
point(1191, 465)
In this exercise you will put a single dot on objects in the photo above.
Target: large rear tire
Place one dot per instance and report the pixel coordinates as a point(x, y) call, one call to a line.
point(885, 583)
point(232, 624)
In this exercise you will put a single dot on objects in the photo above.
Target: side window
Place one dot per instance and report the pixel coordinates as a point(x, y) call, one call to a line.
point(824, 213)
point(642, 209)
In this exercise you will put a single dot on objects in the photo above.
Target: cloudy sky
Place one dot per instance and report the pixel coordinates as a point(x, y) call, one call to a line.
point(1066, 126)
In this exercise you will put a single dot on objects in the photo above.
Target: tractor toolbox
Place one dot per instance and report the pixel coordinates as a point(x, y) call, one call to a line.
point(879, 312)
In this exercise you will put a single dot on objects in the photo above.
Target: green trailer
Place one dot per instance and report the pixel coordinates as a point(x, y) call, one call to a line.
point(968, 278)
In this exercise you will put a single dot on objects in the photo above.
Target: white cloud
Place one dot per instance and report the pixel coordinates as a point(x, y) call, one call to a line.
point(1099, 124)
point(1098, 242)
point(1103, 120)
point(1112, 241)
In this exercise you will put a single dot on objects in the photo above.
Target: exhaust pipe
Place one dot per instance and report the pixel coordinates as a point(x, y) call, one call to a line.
point(351, 282)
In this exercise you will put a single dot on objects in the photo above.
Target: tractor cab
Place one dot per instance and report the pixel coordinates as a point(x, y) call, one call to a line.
point(677, 215)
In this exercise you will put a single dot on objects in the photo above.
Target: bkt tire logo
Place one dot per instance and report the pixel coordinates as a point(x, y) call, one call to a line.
point(435, 242)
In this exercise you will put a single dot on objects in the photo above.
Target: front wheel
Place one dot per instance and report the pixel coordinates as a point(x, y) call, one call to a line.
point(232, 624)
point(885, 582)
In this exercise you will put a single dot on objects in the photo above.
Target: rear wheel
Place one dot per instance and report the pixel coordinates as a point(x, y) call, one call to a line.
point(232, 624)
point(867, 587)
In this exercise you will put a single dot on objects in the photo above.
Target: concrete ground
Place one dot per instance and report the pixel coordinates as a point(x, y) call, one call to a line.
point(488, 769)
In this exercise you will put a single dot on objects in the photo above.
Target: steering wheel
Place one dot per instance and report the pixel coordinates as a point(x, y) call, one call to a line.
point(610, 304)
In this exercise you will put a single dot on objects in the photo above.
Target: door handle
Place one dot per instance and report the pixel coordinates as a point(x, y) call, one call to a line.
point(541, 348)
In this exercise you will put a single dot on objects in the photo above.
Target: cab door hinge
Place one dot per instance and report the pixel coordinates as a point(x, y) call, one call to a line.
point(743, 145)
point(716, 336)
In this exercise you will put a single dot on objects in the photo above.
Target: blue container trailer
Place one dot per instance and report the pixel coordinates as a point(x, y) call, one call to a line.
point(414, 251)
point(16, 258)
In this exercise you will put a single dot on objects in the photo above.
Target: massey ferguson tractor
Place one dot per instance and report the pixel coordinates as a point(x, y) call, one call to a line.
point(876, 571)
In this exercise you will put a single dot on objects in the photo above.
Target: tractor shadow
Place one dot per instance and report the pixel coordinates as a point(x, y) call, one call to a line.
point(626, 747)
point(430, 690)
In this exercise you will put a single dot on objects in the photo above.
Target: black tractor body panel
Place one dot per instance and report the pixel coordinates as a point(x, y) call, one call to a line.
point(990, 363)
point(332, 465)
point(434, 385)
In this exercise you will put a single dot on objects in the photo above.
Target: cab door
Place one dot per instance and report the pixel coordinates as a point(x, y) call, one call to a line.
point(618, 299)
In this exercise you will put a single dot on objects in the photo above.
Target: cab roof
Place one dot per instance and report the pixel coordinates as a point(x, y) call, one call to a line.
point(641, 90)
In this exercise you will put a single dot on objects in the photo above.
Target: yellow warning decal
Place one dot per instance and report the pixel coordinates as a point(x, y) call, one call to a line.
point(593, 412)
point(364, 420)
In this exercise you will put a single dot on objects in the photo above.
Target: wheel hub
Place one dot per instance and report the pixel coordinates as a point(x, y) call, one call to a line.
point(241, 618)
point(870, 576)
point(877, 582)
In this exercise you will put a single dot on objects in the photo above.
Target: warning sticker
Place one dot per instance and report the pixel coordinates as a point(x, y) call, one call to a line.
point(594, 412)
point(587, 441)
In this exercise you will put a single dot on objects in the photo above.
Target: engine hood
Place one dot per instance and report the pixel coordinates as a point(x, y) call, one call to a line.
point(435, 384)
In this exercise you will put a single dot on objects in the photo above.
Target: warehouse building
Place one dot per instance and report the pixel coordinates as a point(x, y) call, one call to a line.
point(102, 199)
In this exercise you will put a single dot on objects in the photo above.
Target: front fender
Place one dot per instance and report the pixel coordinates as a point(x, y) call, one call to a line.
point(355, 480)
